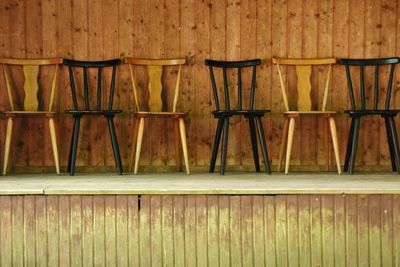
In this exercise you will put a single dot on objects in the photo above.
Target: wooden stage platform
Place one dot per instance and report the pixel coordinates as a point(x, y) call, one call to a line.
point(200, 183)
point(240, 219)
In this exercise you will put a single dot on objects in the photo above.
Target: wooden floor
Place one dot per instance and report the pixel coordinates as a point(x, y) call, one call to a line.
point(200, 183)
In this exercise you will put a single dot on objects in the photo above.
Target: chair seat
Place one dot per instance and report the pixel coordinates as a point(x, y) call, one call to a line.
point(228, 113)
point(94, 112)
point(28, 113)
point(381, 112)
point(311, 112)
point(160, 113)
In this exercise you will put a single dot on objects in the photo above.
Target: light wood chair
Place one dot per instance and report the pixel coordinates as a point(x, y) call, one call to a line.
point(304, 103)
point(155, 69)
point(31, 69)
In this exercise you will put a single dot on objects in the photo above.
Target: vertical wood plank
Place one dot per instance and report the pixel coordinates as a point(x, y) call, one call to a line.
point(167, 230)
point(212, 230)
point(87, 230)
point(179, 230)
point(374, 228)
point(133, 231)
point(258, 230)
point(328, 240)
point(52, 211)
point(201, 230)
point(247, 248)
point(156, 230)
point(99, 239)
point(224, 231)
point(270, 231)
point(6, 231)
point(396, 230)
point(316, 230)
point(339, 213)
point(18, 231)
point(351, 230)
point(29, 231)
point(387, 233)
point(362, 229)
point(190, 231)
point(110, 230)
point(281, 231)
point(121, 221)
point(145, 251)
point(64, 231)
point(75, 231)
point(293, 231)
point(41, 230)
point(235, 230)
point(304, 230)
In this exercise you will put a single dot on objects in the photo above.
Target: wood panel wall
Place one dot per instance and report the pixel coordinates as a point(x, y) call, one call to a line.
point(212, 230)
point(227, 30)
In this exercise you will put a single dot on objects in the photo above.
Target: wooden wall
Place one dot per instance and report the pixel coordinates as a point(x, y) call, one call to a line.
point(231, 30)
point(213, 230)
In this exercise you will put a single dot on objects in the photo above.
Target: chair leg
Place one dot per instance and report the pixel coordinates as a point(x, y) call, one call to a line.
point(283, 142)
point(184, 144)
point(178, 157)
point(74, 145)
point(139, 144)
point(54, 144)
point(7, 144)
point(217, 140)
point(133, 146)
point(71, 145)
point(263, 143)
point(349, 145)
point(332, 125)
point(224, 146)
point(390, 143)
point(395, 143)
point(254, 143)
point(354, 144)
point(289, 144)
point(114, 142)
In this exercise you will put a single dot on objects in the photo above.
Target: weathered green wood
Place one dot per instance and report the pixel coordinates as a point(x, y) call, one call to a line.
point(328, 241)
point(235, 230)
point(76, 230)
point(396, 229)
point(52, 209)
point(121, 221)
point(304, 231)
point(167, 230)
point(29, 231)
point(363, 230)
point(212, 230)
point(99, 257)
point(387, 233)
point(374, 228)
point(281, 231)
point(40, 230)
point(17, 231)
point(87, 230)
point(224, 230)
point(258, 230)
point(110, 230)
point(247, 230)
point(293, 230)
point(64, 231)
point(351, 231)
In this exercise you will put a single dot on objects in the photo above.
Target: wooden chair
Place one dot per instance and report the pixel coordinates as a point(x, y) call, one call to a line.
point(155, 69)
point(304, 103)
point(31, 69)
point(78, 111)
point(253, 115)
point(379, 107)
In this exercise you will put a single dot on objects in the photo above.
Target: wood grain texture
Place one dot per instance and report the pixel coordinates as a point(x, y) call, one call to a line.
point(197, 30)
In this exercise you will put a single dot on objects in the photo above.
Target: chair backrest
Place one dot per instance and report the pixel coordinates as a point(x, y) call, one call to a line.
point(155, 69)
point(239, 65)
point(85, 65)
point(304, 68)
point(31, 69)
point(361, 64)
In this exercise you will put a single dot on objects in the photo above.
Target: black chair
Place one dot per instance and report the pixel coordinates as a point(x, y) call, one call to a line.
point(78, 111)
point(223, 115)
point(359, 109)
